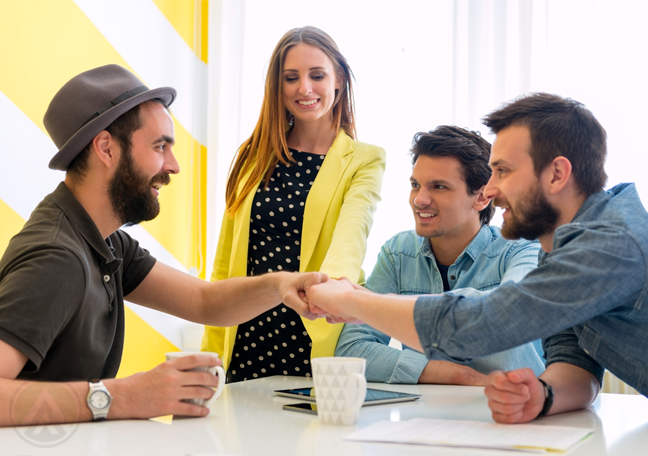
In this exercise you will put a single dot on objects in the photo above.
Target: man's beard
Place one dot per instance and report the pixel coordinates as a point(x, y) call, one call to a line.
point(534, 217)
point(130, 192)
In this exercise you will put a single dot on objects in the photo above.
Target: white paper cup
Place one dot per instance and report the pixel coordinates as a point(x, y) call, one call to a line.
point(215, 370)
point(340, 388)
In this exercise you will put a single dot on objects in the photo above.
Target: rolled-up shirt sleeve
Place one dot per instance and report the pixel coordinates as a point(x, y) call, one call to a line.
point(563, 348)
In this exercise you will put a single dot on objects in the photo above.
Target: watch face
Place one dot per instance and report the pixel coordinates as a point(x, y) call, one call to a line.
point(99, 400)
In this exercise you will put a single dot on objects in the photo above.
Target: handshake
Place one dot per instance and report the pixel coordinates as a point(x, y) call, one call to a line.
point(314, 295)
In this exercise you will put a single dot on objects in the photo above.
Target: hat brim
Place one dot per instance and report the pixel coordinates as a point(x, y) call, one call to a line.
point(82, 138)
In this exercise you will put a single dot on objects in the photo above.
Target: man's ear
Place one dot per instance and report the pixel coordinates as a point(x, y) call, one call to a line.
point(105, 149)
point(558, 174)
point(481, 201)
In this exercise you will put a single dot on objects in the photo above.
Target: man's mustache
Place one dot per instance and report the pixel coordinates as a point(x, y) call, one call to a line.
point(162, 178)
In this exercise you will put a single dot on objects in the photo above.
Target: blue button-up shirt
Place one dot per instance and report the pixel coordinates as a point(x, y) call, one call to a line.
point(588, 298)
point(406, 265)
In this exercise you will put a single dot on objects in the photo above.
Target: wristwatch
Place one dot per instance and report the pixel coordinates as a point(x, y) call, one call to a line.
point(99, 400)
point(549, 399)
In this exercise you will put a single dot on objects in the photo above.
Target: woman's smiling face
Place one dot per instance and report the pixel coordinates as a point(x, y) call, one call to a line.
point(309, 84)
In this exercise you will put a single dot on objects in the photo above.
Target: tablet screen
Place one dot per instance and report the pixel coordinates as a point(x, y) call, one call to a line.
point(374, 396)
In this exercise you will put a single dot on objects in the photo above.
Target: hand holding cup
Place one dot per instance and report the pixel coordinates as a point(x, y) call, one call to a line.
point(213, 370)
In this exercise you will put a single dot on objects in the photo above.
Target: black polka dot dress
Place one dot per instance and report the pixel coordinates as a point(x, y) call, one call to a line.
point(276, 342)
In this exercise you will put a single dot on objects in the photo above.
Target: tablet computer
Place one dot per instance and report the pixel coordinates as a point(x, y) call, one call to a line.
point(374, 396)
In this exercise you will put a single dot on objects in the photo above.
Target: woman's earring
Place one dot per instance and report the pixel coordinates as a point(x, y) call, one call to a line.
point(291, 120)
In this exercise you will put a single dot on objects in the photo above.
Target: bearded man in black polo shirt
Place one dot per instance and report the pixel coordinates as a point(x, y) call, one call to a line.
point(64, 277)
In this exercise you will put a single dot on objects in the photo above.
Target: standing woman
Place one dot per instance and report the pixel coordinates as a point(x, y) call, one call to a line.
point(301, 194)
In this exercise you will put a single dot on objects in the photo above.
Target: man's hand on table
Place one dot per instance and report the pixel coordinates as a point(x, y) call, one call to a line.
point(514, 397)
point(160, 391)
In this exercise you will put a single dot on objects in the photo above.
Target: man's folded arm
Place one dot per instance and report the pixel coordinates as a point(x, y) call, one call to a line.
point(384, 363)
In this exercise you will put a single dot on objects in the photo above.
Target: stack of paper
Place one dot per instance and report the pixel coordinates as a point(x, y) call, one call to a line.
point(473, 434)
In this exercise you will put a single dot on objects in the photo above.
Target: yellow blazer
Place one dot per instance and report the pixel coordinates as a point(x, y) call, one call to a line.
point(337, 219)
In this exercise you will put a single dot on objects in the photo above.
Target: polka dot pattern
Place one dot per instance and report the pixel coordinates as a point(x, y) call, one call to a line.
point(276, 342)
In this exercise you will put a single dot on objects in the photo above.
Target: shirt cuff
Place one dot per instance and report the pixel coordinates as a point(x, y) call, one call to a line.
point(409, 367)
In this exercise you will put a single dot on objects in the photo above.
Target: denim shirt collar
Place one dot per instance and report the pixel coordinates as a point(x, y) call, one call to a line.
point(588, 211)
point(591, 207)
point(478, 244)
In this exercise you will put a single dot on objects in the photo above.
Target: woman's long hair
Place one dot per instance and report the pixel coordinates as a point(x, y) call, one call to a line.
point(267, 146)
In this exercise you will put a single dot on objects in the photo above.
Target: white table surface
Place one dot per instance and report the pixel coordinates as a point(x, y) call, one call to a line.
point(248, 420)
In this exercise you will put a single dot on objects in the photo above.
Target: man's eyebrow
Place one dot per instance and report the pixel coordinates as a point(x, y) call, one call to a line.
point(499, 162)
point(439, 182)
point(166, 139)
point(433, 182)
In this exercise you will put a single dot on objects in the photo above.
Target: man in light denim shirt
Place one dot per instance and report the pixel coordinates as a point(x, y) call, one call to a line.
point(452, 248)
point(588, 298)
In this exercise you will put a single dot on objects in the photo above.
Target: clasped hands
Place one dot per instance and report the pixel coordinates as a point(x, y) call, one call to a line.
point(314, 295)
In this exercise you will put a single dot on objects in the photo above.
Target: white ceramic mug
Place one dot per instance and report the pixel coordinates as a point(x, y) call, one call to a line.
point(340, 388)
point(215, 370)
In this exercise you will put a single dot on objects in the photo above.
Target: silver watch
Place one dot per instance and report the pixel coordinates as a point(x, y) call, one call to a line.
point(99, 400)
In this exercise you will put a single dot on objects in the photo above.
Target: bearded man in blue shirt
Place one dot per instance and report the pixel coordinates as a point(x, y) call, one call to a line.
point(588, 298)
point(453, 248)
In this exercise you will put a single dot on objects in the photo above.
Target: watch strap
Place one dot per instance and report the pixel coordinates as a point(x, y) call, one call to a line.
point(549, 399)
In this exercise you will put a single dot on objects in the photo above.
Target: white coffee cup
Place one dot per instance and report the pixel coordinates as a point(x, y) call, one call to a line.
point(215, 370)
point(340, 388)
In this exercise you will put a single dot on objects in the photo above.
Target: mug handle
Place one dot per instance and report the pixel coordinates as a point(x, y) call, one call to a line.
point(220, 373)
point(362, 393)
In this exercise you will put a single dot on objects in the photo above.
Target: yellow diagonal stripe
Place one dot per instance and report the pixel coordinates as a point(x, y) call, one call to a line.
point(190, 19)
point(11, 223)
point(41, 49)
point(42, 45)
point(144, 347)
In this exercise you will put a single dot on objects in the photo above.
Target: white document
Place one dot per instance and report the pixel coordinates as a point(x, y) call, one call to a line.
point(473, 434)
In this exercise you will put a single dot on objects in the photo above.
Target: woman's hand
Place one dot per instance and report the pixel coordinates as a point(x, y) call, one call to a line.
point(292, 289)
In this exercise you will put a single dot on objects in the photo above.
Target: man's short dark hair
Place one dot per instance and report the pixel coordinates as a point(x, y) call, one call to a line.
point(121, 129)
point(468, 147)
point(559, 127)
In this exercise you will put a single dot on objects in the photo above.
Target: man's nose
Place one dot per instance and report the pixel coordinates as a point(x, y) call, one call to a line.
point(171, 165)
point(491, 191)
point(422, 199)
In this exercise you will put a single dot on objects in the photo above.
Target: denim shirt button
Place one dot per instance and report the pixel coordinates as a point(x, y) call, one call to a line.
point(585, 351)
point(452, 277)
point(435, 345)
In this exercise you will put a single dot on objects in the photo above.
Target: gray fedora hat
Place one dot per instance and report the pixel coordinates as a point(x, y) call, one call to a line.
point(88, 103)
